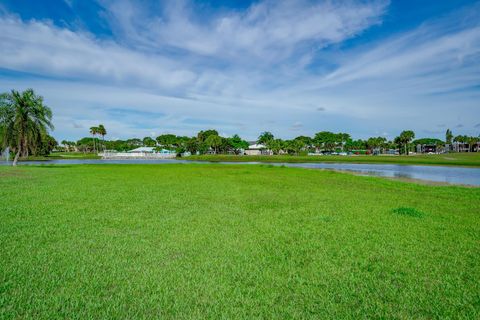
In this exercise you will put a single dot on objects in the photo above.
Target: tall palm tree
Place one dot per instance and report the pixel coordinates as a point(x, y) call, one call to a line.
point(24, 119)
point(93, 132)
point(406, 137)
point(103, 132)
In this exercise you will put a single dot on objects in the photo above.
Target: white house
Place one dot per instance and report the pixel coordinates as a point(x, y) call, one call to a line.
point(140, 153)
point(257, 150)
point(143, 150)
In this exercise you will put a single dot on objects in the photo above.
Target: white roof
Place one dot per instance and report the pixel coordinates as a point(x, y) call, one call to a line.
point(143, 149)
point(257, 146)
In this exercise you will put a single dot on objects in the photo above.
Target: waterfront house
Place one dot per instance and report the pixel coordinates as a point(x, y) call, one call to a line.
point(257, 150)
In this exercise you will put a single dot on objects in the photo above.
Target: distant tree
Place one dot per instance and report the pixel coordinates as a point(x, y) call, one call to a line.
point(85, 144)
point(276, 145)
point(67, 145)
point(342, 139)
point(448, 137)
point(149, 142)
point(192, 145)
point(46, 146)
point(376, 143)
point(102, 132)
point(307, 142)
point(472, 141)
point(214, 141)
point(203, 135)
point(405, 138)
point(296, 145)
point(237, 143)
point(460, 138)
point(24, 119)
point(430, 141)
point(168, 141)
point(355, 145)
point(133, 143)
point(265, 137)
point(326, 140)
point(93, 132)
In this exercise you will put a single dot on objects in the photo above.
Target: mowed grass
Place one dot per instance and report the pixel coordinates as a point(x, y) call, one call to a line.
point(63, 155)
point(190, 241)
point(471, 159)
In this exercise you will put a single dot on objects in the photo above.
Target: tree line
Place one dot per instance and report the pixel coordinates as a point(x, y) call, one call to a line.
point(25, 122)
point(203, 142)
point(209, 141)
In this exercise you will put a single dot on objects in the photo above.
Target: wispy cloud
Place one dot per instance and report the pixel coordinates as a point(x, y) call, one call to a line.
point(40, 47)
point(267, 30)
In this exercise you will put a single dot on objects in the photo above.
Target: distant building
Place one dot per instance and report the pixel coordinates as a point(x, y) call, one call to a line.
point(429, 148)
point(465, 147)
point(140, 153)
point(143, 150)
point(257, 150)
point(150, 150)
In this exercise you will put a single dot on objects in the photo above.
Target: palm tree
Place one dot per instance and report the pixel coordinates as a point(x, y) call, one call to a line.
point(93, 132)
point(24, 119)
point(275, 145)
point(448, 137)
point(66, 144)
point(471, 142)
point(406, 137)
point(103, 132)
point(265, 137)
point(214, 142)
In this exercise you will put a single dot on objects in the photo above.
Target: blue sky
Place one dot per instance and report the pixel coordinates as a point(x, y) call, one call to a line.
point(290, 67)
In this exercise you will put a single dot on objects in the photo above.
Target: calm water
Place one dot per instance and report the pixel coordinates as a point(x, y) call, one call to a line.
point(444, 174)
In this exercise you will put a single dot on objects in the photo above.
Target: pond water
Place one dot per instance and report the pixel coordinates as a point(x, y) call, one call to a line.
point(442, 174)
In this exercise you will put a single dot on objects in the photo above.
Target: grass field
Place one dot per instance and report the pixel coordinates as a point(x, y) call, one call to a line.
point(454, 159)
point(63, 155)
point(194, 241)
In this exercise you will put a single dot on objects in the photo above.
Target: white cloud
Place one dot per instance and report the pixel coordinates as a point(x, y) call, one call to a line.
point(39, 47)
point(267, 30)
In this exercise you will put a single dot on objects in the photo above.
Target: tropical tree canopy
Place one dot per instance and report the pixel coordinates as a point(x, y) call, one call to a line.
point(214, 141)
point(24, 122)
point(265, 137)
point(167, 140)
point(149, 142)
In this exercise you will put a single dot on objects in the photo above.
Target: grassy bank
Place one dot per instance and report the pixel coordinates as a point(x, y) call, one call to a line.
point(452, 159)
point(210, 241)
point(63, 155)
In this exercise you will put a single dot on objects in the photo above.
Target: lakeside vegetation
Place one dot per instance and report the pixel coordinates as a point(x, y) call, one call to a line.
point(471, 159)
point(210, 142)
point(55, 155)
point(211, 241)
point(25, 122)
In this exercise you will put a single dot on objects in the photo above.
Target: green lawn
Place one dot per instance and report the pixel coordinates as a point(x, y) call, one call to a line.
point(64, 155)
point(194, 241)
point(455, 159)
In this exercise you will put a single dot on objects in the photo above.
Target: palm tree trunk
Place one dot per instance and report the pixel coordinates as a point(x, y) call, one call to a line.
point(17, 155)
